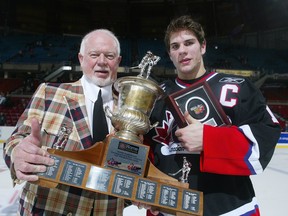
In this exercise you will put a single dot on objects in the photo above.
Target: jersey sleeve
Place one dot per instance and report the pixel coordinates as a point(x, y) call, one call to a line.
point(247, 146)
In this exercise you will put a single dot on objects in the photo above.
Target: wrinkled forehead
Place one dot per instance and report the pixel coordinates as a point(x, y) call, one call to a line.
point(100, 42)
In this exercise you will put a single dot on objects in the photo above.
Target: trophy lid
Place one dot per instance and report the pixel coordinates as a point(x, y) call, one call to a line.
point(143, 79)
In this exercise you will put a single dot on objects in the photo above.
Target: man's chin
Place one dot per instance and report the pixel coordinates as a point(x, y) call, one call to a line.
point(102, 82)
point(186, 70)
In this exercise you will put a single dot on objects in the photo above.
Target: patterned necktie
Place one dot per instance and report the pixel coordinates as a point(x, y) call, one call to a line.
point(100, 128)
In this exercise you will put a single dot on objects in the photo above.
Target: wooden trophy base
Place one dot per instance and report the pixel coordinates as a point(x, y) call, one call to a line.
point(121, 168)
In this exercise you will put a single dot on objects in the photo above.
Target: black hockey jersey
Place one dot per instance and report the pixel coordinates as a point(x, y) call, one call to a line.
point(230, 153)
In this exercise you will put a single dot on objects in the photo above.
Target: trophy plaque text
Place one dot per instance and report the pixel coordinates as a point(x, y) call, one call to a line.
point(201, 104)
point(119, 165)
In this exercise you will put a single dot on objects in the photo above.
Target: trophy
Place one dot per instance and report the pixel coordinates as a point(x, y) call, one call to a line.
point(119, 165)
point(137, 96)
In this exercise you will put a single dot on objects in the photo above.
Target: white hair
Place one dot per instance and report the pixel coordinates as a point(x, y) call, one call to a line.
point(108, 32)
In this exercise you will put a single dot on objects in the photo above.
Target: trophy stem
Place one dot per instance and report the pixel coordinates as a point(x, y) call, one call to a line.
point(128, 135)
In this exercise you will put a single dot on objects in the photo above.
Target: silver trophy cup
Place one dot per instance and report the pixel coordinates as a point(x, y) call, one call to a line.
point(137, 97)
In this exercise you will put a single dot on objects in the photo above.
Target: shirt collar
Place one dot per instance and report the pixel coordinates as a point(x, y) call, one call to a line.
point(91, 90)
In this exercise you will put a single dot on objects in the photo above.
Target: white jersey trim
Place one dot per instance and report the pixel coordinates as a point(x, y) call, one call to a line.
point(242, 210)
point(255, 154)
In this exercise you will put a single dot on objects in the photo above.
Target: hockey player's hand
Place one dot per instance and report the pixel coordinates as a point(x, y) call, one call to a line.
point(191, 136)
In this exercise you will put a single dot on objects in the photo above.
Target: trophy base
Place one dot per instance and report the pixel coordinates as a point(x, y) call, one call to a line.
point(93, 169)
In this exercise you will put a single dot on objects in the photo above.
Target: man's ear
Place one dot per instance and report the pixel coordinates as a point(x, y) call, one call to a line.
point(80, 58)
point(203, 47)
point(119, 59)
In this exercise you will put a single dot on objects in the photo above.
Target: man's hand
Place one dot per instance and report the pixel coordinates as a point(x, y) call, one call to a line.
point(28, 157)
point(191, 136)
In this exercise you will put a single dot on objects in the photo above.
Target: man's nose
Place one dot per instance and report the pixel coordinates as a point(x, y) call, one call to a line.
point(182, 48)
point(101, 59)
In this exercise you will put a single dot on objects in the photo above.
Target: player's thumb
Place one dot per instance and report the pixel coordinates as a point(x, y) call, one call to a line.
point(190, 119)
point(35, 130)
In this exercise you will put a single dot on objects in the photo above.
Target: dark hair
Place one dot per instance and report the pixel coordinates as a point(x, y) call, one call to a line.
point(184, 23)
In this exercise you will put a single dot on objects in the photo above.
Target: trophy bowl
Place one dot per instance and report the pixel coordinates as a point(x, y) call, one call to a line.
point(137, 97)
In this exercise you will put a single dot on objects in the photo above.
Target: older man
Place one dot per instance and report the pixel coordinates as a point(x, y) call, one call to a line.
point(65, 108)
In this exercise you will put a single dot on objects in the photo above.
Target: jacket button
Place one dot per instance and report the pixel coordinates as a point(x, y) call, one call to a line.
point(69, 214)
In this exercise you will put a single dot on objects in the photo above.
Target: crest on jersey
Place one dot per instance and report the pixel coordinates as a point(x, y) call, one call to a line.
point(165, 135)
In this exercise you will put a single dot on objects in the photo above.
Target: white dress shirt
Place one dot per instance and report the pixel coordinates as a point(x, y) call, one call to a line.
point(91, 94)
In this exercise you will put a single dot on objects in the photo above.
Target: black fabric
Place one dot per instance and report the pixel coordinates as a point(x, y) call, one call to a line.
point(100, 128)
point(222, 193)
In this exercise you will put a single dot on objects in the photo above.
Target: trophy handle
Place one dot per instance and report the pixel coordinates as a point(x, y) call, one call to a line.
point(154, 125)
point(108, 112)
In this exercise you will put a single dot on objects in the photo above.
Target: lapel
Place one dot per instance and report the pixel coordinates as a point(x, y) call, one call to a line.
point(75, 100)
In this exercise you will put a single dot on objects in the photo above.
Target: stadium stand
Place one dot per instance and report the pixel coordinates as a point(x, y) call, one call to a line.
point(48, 52)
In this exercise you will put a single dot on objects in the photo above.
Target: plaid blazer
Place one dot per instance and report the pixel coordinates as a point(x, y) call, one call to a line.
point(55, 105)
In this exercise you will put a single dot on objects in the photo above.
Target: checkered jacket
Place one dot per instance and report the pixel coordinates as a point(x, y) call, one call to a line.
point(55, 105)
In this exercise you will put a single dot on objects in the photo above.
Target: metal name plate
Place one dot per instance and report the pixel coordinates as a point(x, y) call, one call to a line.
point(126, 156)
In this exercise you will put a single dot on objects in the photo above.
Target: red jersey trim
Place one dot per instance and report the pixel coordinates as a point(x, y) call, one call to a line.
point(225, 151)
